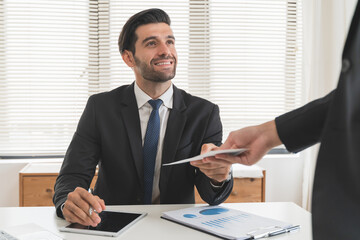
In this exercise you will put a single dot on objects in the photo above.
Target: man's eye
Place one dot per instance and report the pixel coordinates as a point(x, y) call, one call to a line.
point(151, 44)
point(171, 42)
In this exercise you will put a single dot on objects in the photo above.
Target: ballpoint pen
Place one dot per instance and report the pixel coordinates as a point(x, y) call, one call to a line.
point(284, 230)
point(91, 210)
point(267, 232)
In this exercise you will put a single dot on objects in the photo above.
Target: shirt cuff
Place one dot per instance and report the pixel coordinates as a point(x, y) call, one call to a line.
point(62, 207)
point(223, 182)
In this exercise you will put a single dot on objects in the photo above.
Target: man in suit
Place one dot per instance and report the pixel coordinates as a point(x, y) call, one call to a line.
point(333, 120)
point(131, 131)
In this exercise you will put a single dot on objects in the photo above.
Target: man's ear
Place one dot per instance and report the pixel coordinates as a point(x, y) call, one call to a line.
point(128, 58)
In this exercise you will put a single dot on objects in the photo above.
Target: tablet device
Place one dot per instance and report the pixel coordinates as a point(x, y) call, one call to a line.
point(112, 224)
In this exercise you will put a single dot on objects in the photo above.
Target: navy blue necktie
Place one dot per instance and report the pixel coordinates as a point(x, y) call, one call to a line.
point(150, 148)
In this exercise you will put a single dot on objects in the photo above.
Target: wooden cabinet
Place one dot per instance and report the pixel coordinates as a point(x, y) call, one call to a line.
point(37, 184)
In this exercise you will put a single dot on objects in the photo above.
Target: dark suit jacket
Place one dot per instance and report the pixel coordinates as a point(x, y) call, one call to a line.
point(109, 134)
point(335, 122)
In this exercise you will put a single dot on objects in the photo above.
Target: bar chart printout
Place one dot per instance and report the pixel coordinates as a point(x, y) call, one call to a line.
point(225, 222)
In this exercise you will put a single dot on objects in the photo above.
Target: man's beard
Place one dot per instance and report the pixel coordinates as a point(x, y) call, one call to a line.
point(149, 73)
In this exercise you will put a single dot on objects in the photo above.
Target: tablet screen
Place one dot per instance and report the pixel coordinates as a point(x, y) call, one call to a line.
point(111, 222)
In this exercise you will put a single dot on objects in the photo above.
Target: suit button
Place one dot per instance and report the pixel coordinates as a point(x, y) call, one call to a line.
point(345, 65)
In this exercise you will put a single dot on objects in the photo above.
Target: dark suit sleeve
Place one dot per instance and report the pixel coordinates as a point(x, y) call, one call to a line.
point(208, 193)
point(302, 127)
point(81, 158)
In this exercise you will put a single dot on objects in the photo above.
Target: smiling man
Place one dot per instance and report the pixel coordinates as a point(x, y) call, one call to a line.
point(132, 130)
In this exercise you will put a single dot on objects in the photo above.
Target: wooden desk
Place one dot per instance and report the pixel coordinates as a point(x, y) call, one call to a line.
point(152, 226)
point(37, 182)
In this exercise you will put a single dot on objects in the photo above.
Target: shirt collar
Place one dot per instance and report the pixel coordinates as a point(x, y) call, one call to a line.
point(142, 98)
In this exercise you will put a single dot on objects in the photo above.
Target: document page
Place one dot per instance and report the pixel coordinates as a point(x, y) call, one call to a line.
point(31, 231)
point(225, 222)
point(209, 154)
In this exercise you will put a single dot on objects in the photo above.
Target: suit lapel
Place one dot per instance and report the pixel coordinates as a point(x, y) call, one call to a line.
point(130, 115)
point(174, 130)
point(175, 126)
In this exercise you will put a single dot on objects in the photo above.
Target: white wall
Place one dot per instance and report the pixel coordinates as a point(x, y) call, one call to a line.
point(9, 180)
point(9, 183)
point(283, 179)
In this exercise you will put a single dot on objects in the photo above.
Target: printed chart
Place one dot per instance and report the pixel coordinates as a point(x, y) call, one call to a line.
point(225, 222)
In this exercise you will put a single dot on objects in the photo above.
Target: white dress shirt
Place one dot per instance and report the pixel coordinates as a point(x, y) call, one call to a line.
point(144, 113)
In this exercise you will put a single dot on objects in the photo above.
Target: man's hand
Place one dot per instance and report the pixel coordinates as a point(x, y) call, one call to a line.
point(77, 207)
point(257, 139)
point(216, 169)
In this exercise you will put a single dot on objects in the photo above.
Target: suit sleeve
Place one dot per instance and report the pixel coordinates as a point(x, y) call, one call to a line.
point(207, 192)
point(302, 127)
point(81, 158)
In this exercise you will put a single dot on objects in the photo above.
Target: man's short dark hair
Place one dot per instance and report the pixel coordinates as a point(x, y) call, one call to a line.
point(128, 37)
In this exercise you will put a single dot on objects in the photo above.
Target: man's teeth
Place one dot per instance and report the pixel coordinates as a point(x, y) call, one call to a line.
point(162, 63)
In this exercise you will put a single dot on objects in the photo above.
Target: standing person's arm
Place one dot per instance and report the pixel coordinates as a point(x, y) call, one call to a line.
point(302, 127)
point(297, 130)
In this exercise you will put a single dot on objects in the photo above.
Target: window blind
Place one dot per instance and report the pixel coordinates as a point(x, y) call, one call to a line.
point(245, 56)
point(45, 54)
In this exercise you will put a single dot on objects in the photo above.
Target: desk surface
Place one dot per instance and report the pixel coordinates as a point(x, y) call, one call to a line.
point(239, 170)
point(153, 227)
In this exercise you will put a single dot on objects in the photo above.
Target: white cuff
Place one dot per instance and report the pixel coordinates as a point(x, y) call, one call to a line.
point(62, 207)
point(223, 182)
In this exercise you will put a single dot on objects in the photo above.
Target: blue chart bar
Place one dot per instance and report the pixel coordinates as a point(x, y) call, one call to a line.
point(221, 222)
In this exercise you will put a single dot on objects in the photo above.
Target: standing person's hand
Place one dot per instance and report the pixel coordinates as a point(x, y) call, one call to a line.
point(83, 207)
point(258, 140)
point(216, 169)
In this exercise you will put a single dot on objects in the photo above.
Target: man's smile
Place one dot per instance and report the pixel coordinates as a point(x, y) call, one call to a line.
point(163, 63)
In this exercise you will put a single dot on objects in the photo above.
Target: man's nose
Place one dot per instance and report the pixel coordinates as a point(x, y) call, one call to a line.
point(164, 50)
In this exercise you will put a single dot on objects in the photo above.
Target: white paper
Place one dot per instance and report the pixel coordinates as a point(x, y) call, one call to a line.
point(42, 235)
point(31, 231)
point(209, 154)
point(224, 222)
